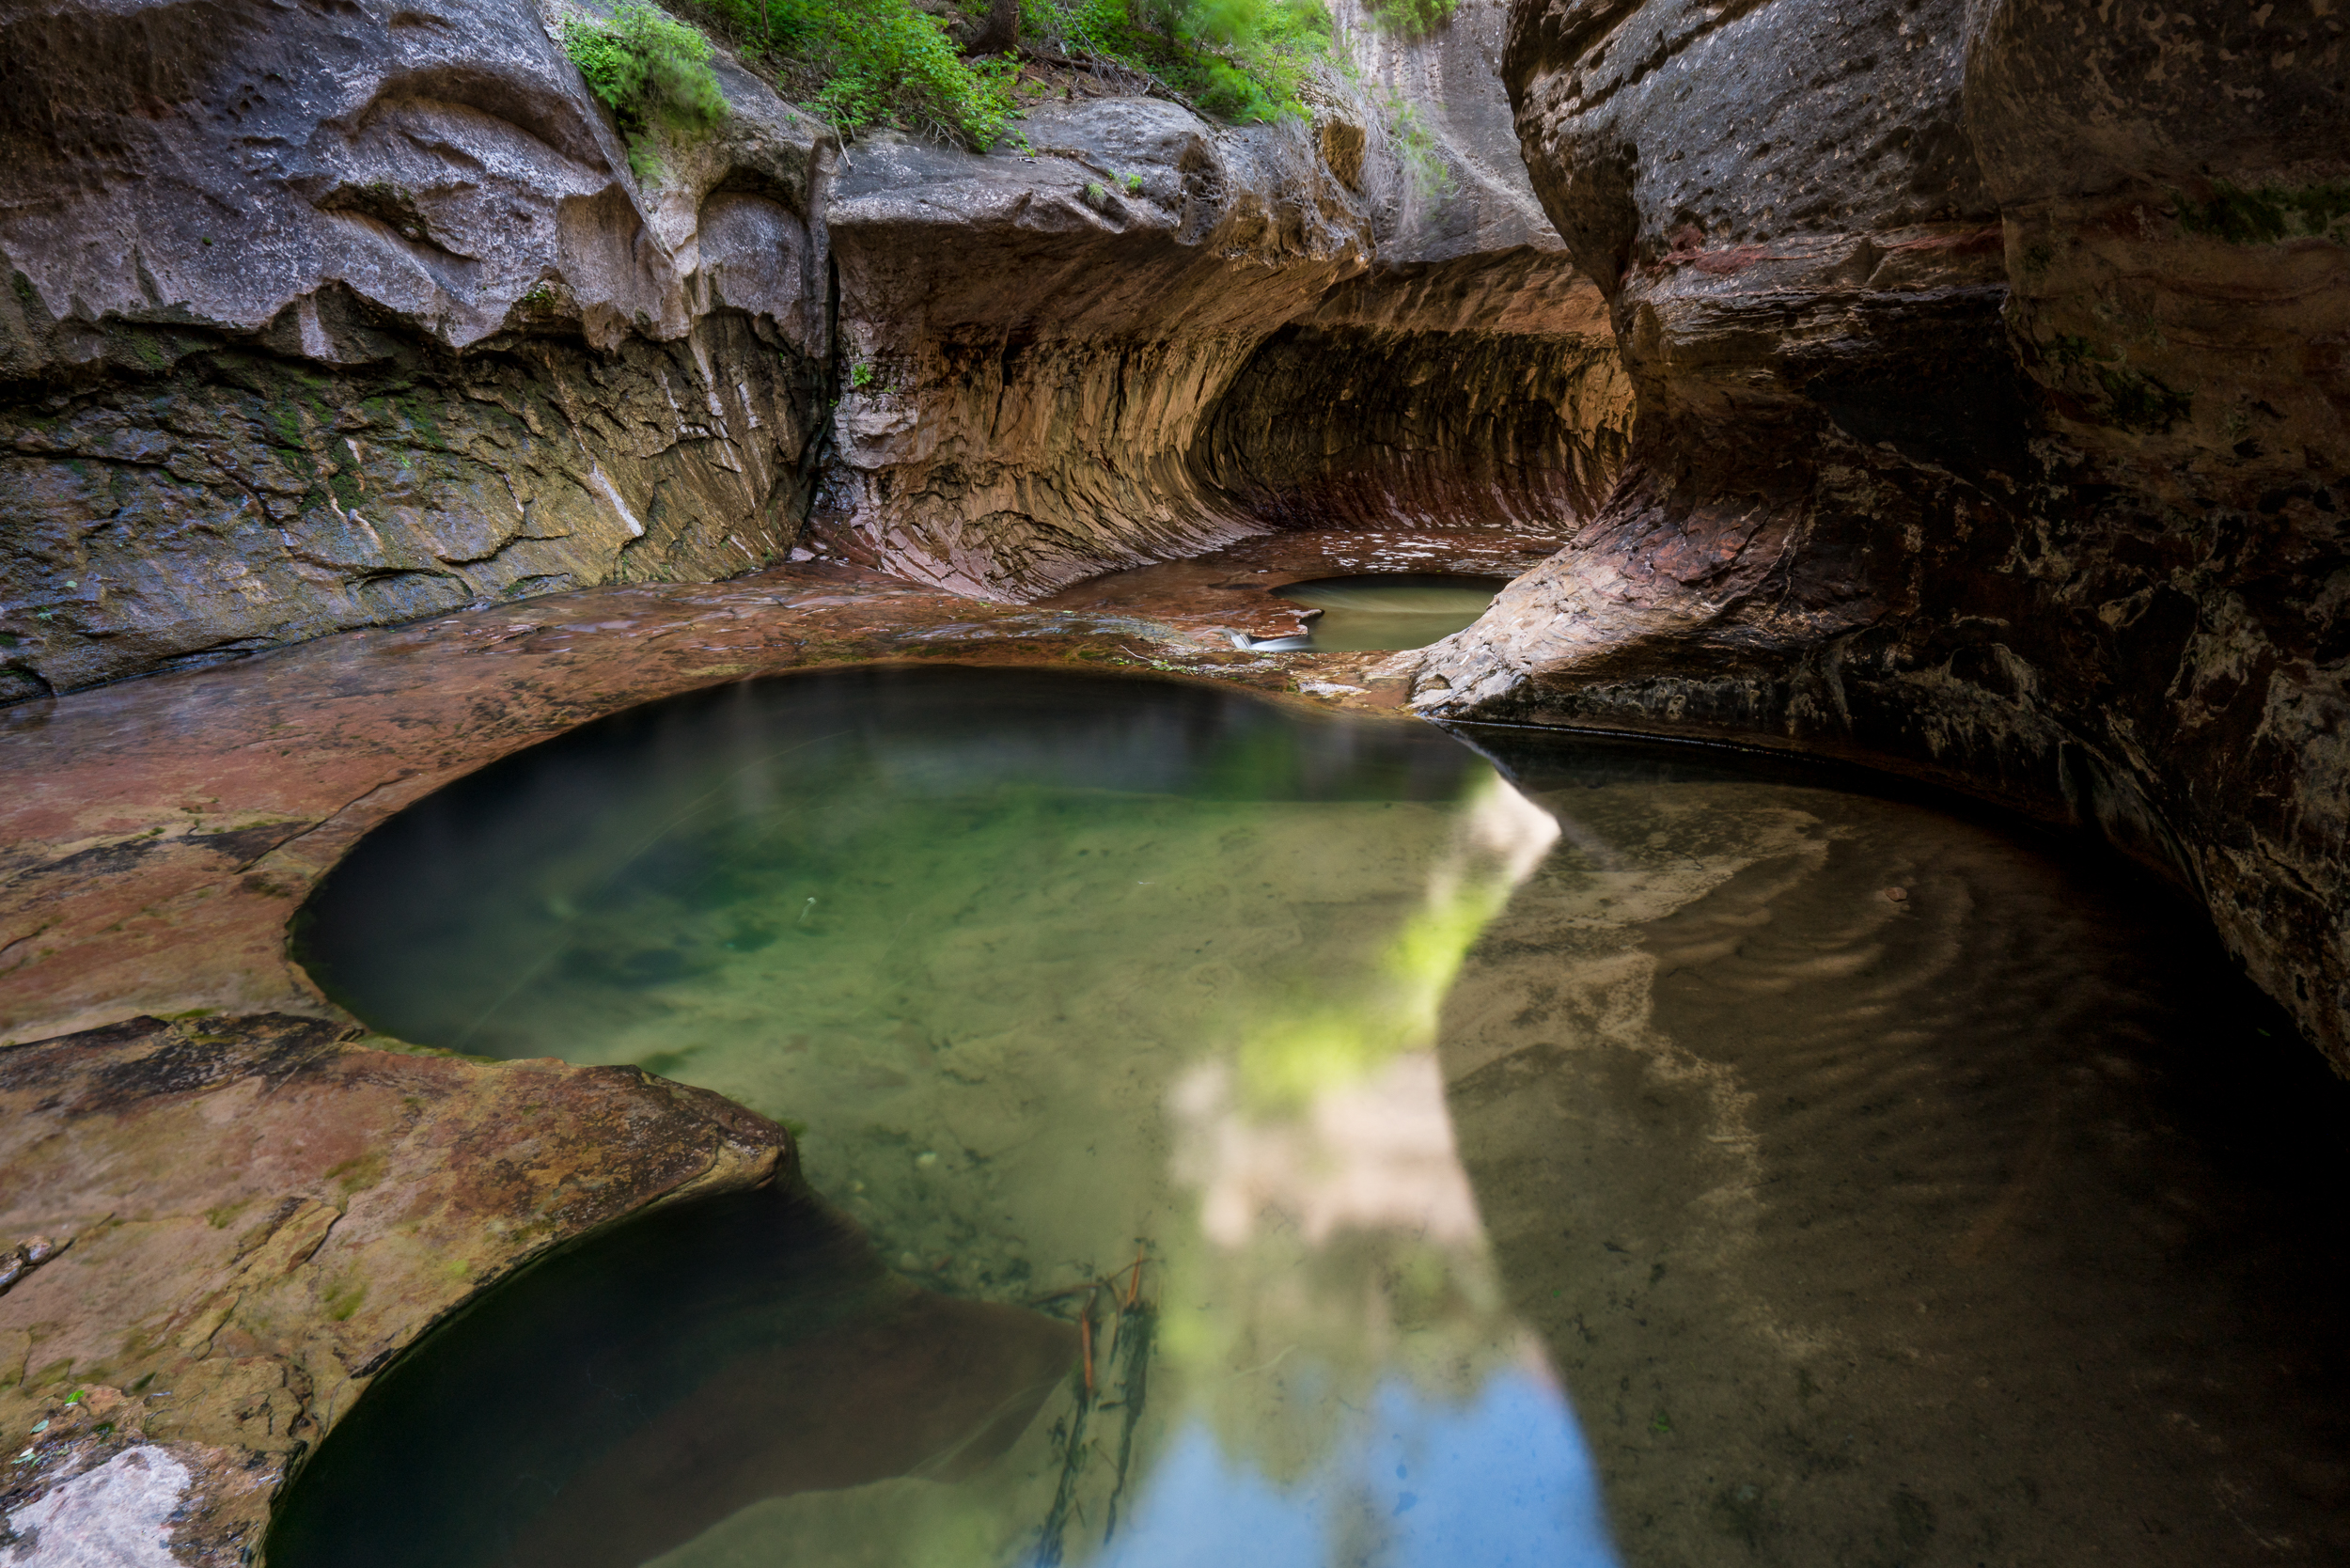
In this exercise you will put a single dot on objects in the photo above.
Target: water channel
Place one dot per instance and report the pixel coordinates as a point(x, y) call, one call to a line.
point(1239, 1134)
point(1391, 609)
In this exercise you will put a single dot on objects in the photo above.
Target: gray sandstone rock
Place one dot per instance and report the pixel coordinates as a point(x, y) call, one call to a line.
point(321, 317)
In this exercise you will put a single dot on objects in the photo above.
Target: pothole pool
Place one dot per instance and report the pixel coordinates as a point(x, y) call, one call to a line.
point(1392, 610)
point(1245, 1136)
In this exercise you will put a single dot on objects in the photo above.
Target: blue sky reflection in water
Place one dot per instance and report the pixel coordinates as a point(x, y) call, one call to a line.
point(1058, 973)
point(1502, 1481)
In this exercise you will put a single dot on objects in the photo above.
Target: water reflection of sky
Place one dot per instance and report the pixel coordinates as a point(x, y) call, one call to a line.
point(1073, 982)
point(1500, 1482)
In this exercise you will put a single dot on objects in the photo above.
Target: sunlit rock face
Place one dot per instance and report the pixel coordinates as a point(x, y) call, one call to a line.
point(1031, 342)
point(1144, 335)
point(1990, 419)
point(325, 318)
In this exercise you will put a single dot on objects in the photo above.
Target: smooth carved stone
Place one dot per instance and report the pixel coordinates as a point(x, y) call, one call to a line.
point(1154, 335)
point(261, 1212)
point(1991, 420)
point(328, 318)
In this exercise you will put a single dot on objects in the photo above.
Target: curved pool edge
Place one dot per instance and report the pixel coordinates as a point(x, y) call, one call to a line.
point(332, 1197)
point(162, 842)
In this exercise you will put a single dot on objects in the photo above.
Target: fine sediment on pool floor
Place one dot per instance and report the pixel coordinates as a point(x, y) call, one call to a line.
point(223, 1228)
point(1992, 421)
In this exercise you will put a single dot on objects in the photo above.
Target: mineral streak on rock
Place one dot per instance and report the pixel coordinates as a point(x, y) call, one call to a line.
point(1991, 419)
point(264, 1211)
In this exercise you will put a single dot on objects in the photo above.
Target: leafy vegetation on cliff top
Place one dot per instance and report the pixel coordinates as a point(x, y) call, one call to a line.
point(860, 63)
point(1240, 60)
point(652, 70)
point(891, 62)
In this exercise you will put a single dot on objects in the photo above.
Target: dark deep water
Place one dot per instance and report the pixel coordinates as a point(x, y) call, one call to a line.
point(1644, 1156)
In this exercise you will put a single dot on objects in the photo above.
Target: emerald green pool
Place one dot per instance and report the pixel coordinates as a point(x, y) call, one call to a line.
point(1237, 1135)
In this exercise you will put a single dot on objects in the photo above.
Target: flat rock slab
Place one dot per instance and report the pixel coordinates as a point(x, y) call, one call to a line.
point(219, 1231)
point(158, 835)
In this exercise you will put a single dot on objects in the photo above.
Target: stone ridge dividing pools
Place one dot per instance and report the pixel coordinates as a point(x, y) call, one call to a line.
point(241, 1220)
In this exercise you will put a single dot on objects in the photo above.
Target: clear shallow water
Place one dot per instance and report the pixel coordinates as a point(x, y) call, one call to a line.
point(1391, 610)
point(1062, 976)
point(1977, 1224)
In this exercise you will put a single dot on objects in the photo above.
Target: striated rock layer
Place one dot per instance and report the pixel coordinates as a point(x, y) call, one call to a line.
point(323, 319)
point(1992, 397)
point(327, 316)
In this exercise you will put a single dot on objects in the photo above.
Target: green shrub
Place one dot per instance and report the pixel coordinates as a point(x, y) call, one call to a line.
point(1416, 144)
point(875, 62)
point(653, 72)
point(1412, 18)
point(1240, 60)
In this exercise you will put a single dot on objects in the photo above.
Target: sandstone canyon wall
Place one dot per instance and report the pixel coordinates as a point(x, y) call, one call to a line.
point(327, 316)
point(321, 317)
point(1991, 383)
point(1144, 335)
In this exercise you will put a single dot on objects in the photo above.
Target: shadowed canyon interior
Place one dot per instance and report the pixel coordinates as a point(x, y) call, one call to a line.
point(1866, 1179)
point(1402, 1117)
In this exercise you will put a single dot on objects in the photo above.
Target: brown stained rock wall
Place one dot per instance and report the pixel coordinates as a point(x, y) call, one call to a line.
point(1030, 342)
point(328, 317)
point(1464, 393)
point(2023, 470)
point(200, 1318)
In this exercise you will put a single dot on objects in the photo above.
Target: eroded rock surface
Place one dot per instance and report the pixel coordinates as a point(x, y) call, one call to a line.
point(1143, 335)
point(1033, 341)
point(241, 1219)
point(326, 318)
point(1990, 421)
point(323, 318)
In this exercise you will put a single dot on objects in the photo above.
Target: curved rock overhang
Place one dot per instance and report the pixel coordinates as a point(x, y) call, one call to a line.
point(354, 316)
point(1991, 420)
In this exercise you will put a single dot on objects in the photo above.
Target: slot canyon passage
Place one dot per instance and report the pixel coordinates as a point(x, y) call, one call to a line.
point(1582, 801)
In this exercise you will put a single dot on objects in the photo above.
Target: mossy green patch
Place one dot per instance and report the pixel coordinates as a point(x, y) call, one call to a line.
point(2264, 214)
point(345, 1299)
point(356, 1175)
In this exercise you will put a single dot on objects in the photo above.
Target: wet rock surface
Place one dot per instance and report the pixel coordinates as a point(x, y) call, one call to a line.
point(242, 1218)
point(161, 833)
point(1987, 427)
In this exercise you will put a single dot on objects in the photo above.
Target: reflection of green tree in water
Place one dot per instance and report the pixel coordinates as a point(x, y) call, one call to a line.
point(1317, 1237)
